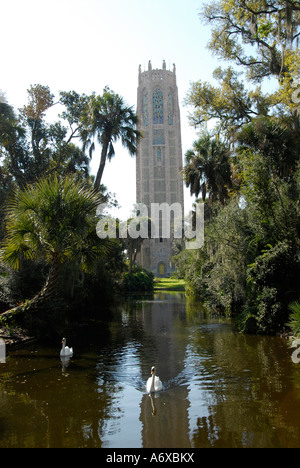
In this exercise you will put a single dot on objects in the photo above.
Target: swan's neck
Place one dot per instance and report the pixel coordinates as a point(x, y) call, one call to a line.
point(153, 379)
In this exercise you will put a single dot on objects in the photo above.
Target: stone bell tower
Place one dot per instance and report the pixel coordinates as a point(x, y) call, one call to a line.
point(159, 157)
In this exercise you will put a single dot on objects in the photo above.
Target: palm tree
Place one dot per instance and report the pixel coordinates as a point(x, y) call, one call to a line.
point(108, 119)
point(54, 220)
point(208, 169)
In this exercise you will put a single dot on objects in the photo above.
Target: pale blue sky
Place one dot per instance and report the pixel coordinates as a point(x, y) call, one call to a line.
point(87, 44)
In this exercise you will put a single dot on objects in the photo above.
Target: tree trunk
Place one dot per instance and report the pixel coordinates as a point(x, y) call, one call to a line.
point(101, 166)
point(45, 295)
point(50, 287)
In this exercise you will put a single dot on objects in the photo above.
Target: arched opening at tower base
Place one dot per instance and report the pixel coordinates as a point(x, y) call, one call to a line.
point(161, 270)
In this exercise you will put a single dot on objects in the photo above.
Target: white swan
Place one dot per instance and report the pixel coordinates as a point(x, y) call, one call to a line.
point(65, 350)
point(154, 383)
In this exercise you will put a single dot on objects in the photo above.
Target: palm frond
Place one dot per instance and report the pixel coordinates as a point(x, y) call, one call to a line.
point(52, 218)
point(108, 120)
point(294, 321)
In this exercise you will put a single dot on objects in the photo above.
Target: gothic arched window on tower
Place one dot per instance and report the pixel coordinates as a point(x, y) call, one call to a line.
point(170, 108)
point(159, 155)
point(158, 109)
point(145, 109)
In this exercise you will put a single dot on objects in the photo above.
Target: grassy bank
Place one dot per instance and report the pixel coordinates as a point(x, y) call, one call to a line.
point(170, 284)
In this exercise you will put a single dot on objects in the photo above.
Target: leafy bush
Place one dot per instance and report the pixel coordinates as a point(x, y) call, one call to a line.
point(141, 280)
point(273, 282)
point(294, 321)
point(18, 285)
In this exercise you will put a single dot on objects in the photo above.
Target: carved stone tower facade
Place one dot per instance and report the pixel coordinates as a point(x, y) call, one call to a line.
point(159, 157)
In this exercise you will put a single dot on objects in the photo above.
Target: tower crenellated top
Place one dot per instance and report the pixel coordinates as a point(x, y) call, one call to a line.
point(157, 74)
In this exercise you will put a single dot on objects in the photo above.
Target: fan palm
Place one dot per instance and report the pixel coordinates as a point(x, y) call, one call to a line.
point(108, 119)
point(54, 220)
point(294, 322)
point(207, 169)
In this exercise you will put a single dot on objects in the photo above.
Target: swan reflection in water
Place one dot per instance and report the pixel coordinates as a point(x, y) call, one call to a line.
point(153, 405)
point(65, 362)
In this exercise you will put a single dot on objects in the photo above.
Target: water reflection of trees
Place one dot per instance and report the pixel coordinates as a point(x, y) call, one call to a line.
point(247, 387)
point(223, 389)
point(56, 411)
point(65, 407)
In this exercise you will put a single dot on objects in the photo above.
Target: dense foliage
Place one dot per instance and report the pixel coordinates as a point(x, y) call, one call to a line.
point(53, 266)
point(247, 166)
point(138, 280)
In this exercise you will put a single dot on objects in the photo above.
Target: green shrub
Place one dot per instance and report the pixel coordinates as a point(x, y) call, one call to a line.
point(294, 321)
point(273, 282)
point(141, 280)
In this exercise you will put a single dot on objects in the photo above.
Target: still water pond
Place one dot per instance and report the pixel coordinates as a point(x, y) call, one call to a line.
point(221, 389)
